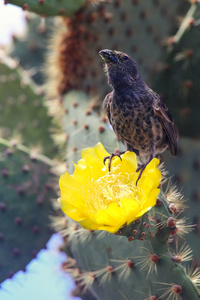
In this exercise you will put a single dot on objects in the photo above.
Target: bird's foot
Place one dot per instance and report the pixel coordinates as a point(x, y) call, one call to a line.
point(141, 169)
point(110, 157)
point(143, 166)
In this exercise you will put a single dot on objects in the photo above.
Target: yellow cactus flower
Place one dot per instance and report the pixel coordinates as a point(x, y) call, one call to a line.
point(103, 200)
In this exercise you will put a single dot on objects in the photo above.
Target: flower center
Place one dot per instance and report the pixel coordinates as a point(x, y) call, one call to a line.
point(109, 189)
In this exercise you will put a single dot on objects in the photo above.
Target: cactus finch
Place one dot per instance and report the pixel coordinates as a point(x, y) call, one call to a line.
point(140, 119)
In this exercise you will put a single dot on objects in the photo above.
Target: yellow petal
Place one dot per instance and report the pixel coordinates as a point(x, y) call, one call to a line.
point(130, 209)
point(127, 164)
point(110, 219)
point(149, 202)
point(151, 176)
point(89, 224)
point(109, 215)
point(96, 154)
point(70, 210)
point(67, 182)
point(92, 159)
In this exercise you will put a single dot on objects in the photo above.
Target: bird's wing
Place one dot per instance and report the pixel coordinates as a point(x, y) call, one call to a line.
point(167, 122)
point(106, 103)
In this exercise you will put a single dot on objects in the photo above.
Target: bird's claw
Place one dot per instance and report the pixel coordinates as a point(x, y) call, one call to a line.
point(110, 157)
point(141, 169)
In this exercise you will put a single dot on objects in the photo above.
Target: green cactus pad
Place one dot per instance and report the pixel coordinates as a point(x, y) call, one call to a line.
point(26, 190)
point(29, 48)
point(178, 82)
point(185, 170)
point(22, 109)
point(138, 28)
point(50, 7)
point(114, 267)
point(84, 127)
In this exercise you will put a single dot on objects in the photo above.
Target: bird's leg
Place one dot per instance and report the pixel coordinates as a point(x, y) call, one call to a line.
point(110, 157)
point(143, 166)
point(141, 169)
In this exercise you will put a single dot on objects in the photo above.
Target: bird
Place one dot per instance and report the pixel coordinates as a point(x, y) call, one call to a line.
point(139, 117)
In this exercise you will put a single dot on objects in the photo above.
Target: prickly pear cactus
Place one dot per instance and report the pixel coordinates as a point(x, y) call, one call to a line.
point(131, 26)
point(26, 190)
point(22, 110)
point(149, 263)
point(143, 261)
point(84, 127)
point(50, 7)
point(179, 85)
point(178, 81)
point(185, 170)
point(29, 48)
point(138, 262)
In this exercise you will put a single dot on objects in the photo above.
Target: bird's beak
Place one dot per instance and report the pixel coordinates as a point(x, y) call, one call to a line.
point(108, 55)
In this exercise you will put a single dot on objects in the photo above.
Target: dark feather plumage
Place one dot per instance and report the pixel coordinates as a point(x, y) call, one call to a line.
point(168, 125)
point(139, 117)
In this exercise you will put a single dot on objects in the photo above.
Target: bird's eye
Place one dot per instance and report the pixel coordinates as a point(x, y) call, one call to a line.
point(125, 57)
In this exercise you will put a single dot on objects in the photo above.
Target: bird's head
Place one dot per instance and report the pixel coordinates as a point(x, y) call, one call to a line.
point(120, 68)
